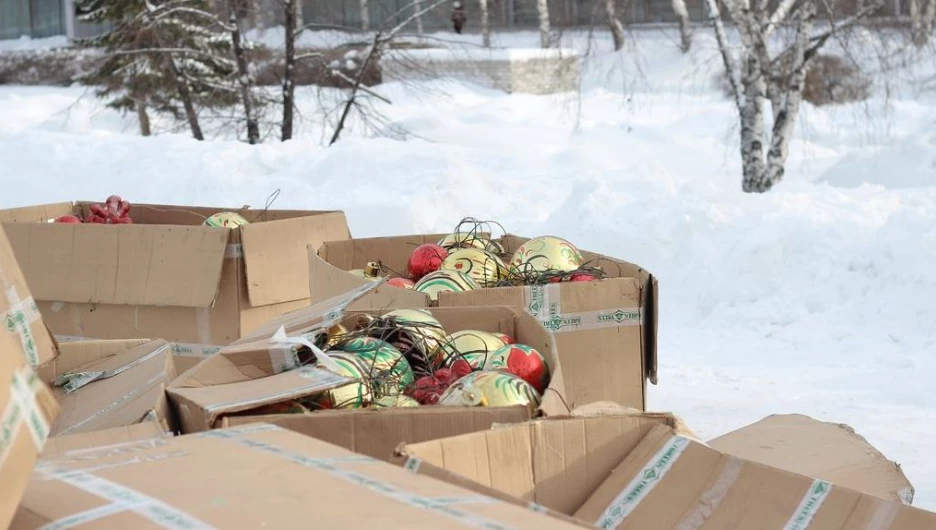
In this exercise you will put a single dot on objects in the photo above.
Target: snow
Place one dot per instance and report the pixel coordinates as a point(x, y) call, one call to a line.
point(26, 43)
point(817, 297)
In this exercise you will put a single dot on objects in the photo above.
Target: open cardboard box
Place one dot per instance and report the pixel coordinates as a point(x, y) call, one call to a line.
point(636, 471)
point(204, 397)
point(112, 383)
point(256, 476)
point(167, 276)
point(27, 406)
point(605, 331)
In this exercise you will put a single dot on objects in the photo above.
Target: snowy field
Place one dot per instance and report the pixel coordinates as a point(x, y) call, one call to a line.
point(818, 297)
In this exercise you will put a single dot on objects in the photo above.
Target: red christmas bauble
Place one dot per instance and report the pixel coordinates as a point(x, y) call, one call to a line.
point(582, 277)
point(425, 259)
point(68, 219)
point(402, 283)
point(523, 361)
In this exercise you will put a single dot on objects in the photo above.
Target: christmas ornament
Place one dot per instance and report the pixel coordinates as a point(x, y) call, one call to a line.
point(490, 389)
point(353, 395)
point(472, 345)
point(459, 240)
point(371, 271)
point(114, 211)
point(504, 337)
point(401, 400)
point(582, 277)
point(387, 370)
point(444, 281)
point(494, 247)
point(419, 337)
point(482, 266)
point(68, 219)
point(425, 259)
point(226, 220)
point(335, 334)
point(523, 361)
point(428, 389)
point(402, 283)
point(546, 253)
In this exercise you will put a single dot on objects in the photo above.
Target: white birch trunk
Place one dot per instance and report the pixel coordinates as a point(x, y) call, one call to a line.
point(685, 30)
point(921, 21)
point(485, 24)
point(617, 29)
point(542, 7)
point(365, 16)
point(417, 7)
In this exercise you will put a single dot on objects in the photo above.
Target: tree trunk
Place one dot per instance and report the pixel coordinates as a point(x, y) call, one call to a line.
point(365, 16)
point(243, 73)
point(617, 30)
point(143, 117)
point(685, 31)
point(289, 85)
point(485, 24)
point(542, 7)
point(916, 24)
point(417, 7)
point(186, 96)
point(752, 124)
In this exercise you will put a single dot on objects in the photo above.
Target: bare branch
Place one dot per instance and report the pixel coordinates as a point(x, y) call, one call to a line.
point(731, 69)
point(317, 25)
point(363, 88)
point(309, 55)
point(778, 16)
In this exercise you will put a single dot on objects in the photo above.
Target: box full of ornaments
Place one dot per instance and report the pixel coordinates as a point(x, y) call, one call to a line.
point(602, 310)
point(368, 380)
point(195, 276)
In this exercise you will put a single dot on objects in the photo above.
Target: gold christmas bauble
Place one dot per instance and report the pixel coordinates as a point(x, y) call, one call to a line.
point(490, 389)
point(459, 240)
point(483, 267)
point(471, 345)
point(423, 329)
point(443, 281)
point(546, 253)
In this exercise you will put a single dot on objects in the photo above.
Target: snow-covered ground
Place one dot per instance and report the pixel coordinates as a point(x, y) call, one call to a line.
point(818, 297)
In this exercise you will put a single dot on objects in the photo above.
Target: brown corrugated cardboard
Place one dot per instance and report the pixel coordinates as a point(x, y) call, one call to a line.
point(20, 314)
point(828, 451)
point(211, 480)
point(27, 407)
point(118, 388)
point(377, 433)
point(671, 482)
point(77, 445)
point(606, 331)
point(167, 276)
point(556, 463)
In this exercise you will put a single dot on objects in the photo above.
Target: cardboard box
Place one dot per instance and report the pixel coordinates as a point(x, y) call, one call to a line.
point(606, 331)
point(212, 480)
point(107, 384)
point(27, 407)
point(669, 481)
point(817, 449)
point(247, 367)
point(115, 438)
point(167, 276)
point(637, 471)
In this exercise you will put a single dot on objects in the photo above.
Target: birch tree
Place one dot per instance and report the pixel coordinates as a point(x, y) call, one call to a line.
point(365, 16)
point(542, 8)
point(922, 18)
point(617, 29)
point(485, 24)
point(244, 76)
point(685, 30)
point(756, 78)
point(289, 84)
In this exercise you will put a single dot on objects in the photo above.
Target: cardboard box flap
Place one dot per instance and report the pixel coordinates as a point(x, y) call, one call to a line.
point(114, 391)
point(276, 255)
point(671, 482)
point(211, 480)
point(37, 214)
point(817, 449)
point(86, 444)
point(125, 265)
point(327, 281)
point(201, 407)
point(77, 353)
point(557, 463)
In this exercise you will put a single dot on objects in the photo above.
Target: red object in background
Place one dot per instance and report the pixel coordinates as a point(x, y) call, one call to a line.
point(68, 219)
point(527, 363)
point(402, 283)
point(115, 211)
point(425, 259)
point(582, 277)
point(428, 389)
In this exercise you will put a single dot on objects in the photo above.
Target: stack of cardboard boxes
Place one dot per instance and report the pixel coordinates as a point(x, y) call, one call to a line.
point(146, 409)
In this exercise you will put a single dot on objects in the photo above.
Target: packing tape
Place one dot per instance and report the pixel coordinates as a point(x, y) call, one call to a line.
point(884, 515)
point(121, 498)
point(74, 380)
point(22, 409)
point(19, 319)
point(544, 302)
point(321, 380)
point(438, 505)
point(152, 382)
point(642, 484)
point(809, 505)
point(194, 350)
point(107, 451)
point(48, 472)
point(713, 497)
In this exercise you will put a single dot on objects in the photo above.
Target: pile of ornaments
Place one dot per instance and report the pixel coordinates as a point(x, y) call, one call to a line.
point(404, 358)
point(467, 260)
point(115, 211)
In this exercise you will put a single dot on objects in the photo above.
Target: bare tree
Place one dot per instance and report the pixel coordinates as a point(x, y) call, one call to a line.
point(417, 6)
point(754, 79)
point(685, 31)
point(617, 29)
point(289, 83)
point(485, 24)
point(244, 78)
point(542, 7)
point(922, 20)
point(365, 16)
